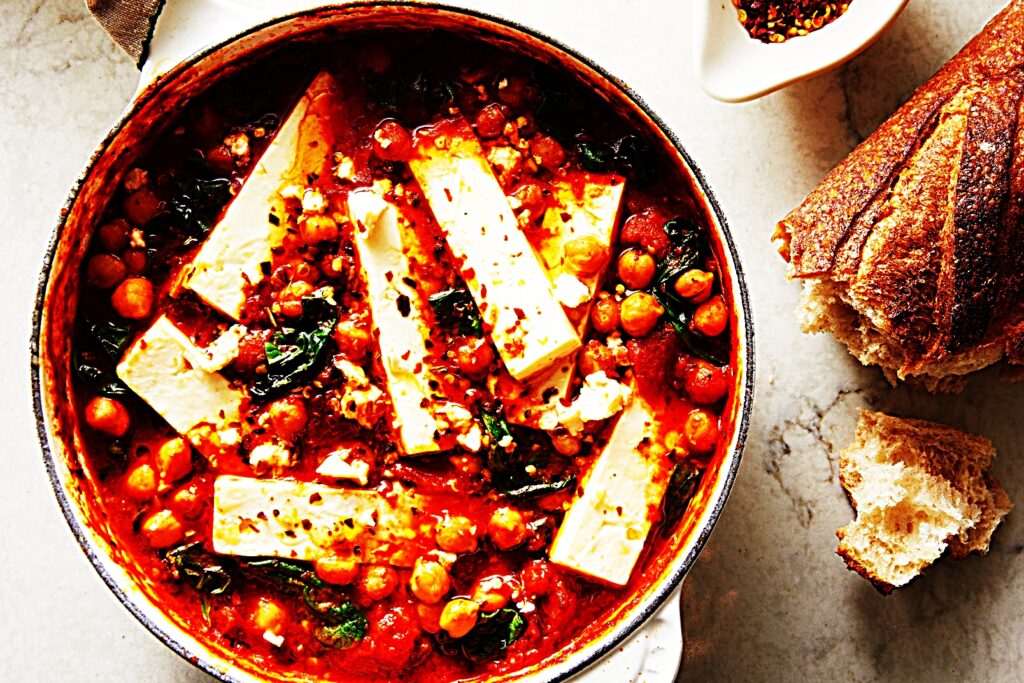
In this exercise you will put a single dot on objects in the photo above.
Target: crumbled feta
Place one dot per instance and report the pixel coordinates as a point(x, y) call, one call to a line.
point(346, 168)
point(359, 400)
point(274, 639)
point(505, 441)
point(313, 202)
point(291, 192)
point(506, 162)
point(138, 239)
point(600, 398)
point(460, 421)
point(270, 455)
point(224, 349)
point(570, 292)
point(337, 465)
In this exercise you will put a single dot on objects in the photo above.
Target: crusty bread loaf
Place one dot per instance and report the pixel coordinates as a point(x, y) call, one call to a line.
point(913, 247)
point(918, 487)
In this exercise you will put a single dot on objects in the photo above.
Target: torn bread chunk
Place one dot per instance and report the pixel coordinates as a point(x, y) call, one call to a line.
point(166, 370)
point(604, 531)
point(520, 312)
point(384, 243)
point(918, 488)
point(574, 244)
point(232, 257)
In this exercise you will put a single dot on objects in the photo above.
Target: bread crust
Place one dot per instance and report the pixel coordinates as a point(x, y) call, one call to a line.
point(920, 226)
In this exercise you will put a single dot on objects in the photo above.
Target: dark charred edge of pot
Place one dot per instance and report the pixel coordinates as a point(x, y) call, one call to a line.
point(663, 591)
point(147, 41)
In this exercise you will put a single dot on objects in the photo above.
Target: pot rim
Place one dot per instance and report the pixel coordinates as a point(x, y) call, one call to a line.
point(620, 632)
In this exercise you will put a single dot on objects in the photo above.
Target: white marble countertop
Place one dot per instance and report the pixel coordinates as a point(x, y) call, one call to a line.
point(768, 599)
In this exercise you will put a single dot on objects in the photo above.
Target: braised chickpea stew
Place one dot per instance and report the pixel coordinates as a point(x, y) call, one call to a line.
point(399, 359)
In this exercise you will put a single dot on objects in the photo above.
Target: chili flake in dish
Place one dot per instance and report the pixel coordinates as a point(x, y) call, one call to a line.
point(399, 368)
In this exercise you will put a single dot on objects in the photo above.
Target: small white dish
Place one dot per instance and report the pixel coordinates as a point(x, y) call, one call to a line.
point(733, 67)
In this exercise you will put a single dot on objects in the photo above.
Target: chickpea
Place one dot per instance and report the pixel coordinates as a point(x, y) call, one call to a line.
point(115, 235)
point(515, 90)
point(596, 357)
point(459, 617)
point(340, 571)
point(456, 535)
point(174, 460)
point(636, 268)
point(530, 197)
point(133, 298)
point(378, 581)
point(492, 592)
point(291, 298)
point(430, 617)
point(268, 616)
point(474, 356)
point(288, 416)
point(163, 529)
point(701, 430)
point(135, 261)
point(186, 502)
point(220, 159)
point(316, 229)
point(490, 121)
point(141, 482)
point(352, 339)
point(141, 206)
point(105, 270)
point(565, 443)
point(429, 581)
point(107, 415)
point(547, 152)
point(694, 284)
point(392, 142)
point(711, 317)
point(507, 528)
point(604, 316)
point(640, 313)
point(585, 255)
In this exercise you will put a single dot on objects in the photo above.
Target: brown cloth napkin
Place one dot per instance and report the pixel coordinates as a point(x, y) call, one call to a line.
point(129, 23)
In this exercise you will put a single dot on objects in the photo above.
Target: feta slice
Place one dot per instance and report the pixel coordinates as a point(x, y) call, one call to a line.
point(384, 240)
point(604, 531)
point(583, 205)
point(288, 519)
point(339, 465)
point(527, 324)
point(255, 221)
point(165, 369)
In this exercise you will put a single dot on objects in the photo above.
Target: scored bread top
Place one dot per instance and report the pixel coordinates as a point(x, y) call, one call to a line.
point(921, 221)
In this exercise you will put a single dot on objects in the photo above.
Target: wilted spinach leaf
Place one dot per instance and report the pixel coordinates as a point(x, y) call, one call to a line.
point(344, 624)
point(204, 571)
point(108, 336)
point(296, 353)
point(285, 573)
point(628, 155)
point(411, 93)
point(508, 470)
point(455, 309)
point(689, 250)
point(681, 487)
point(490, 638)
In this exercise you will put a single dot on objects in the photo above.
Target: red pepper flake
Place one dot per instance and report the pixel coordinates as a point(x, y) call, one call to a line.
point(775, 21)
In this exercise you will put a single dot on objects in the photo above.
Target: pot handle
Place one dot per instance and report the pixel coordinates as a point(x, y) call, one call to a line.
point(652, 655)
point(159, 34)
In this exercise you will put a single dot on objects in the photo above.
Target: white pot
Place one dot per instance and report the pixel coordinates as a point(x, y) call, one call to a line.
point(196, 41)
